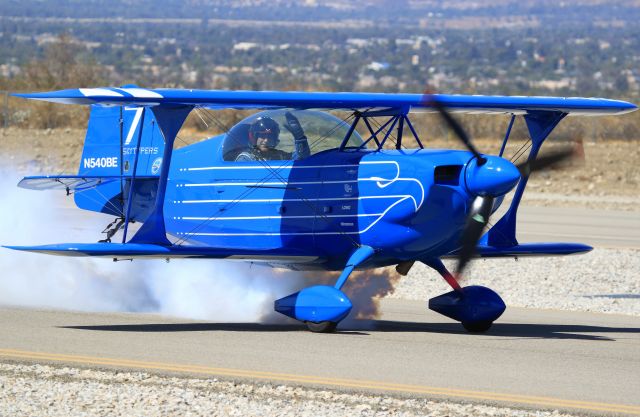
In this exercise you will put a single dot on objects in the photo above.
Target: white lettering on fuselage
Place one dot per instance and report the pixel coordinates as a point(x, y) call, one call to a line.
point(134, 123)
point(108, 162)
point(144, 150)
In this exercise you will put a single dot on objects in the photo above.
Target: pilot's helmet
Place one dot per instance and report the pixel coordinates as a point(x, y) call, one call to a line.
point(265, 127)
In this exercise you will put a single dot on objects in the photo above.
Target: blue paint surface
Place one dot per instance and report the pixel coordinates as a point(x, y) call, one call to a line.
point(473, 304)
point(316, 304)
point(343, 207)
point(320, 100)
point(320, 209)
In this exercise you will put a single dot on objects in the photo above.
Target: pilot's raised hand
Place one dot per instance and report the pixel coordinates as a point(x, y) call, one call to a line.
point(293, 126)
point(301, 145)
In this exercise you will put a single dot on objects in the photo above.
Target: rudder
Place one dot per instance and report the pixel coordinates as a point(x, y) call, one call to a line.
point(106, 134)
point(110, 148)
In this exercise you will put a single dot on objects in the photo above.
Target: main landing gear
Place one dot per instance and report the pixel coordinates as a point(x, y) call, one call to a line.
point(322, 307)
point(475, 307)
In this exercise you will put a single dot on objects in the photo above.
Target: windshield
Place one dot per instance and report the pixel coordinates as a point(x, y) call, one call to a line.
point(322, 130)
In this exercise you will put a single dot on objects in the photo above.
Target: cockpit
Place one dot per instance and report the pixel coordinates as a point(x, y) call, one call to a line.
point(322, 131)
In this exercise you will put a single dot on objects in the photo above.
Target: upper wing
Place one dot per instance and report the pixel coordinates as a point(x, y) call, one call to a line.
point(318, 100)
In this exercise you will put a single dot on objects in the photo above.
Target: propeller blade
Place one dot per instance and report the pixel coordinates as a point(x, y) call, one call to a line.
point(476, 222)
point(454, 125)
point(482, 206)
point(545, 161)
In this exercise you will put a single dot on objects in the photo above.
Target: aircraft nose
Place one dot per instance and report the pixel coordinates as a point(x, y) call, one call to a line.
point(494, 178)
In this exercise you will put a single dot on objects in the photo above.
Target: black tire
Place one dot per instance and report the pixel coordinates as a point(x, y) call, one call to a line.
point(477, 326)
point(322, 327)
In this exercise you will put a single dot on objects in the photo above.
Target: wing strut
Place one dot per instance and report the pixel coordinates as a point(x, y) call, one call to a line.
point(121, 131)
point(540, 124)
point(506, 136)
point(396, 121)
point(170, 120)
point(127, 216)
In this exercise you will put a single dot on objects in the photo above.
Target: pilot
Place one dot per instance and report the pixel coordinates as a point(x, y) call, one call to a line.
point(264, 136)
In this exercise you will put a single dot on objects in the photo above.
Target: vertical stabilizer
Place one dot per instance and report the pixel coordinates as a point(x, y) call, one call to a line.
point(110, 148)
point(112, 127)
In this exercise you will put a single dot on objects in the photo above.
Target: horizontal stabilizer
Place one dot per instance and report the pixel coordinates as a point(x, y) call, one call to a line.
point(529, 249)
point(71, 182)
point(144, 250)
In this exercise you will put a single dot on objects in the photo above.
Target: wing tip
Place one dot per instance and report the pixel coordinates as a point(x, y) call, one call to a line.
point(14, 247)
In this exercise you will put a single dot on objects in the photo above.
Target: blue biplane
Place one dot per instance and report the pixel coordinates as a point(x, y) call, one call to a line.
point(320, 197)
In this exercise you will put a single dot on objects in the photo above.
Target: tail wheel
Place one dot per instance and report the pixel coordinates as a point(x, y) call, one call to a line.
point(322, 327)
point(477, 326)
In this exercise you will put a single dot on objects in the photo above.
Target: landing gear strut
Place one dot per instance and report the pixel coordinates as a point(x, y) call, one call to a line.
point(475, 307)
point(111, 229)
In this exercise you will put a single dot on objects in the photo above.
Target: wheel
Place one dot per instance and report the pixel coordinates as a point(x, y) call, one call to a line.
point(477, 326)
point(322, 327)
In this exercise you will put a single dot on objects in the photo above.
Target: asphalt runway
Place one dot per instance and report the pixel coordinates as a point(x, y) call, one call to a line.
point(571, 361)
point(530, 358)
point(598, 228)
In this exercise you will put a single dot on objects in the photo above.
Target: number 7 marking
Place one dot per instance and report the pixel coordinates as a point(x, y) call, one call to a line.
point(134, 124)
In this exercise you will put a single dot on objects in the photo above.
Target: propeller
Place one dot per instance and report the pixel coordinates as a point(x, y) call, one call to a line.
point(476, 222)
point(488, 178)
point(455, 126)
point(482, 205)
point(547, 160)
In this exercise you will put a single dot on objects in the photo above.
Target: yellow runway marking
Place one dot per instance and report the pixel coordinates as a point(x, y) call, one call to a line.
point(547, 402)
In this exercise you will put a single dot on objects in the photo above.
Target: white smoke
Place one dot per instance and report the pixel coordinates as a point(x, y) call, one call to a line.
point(224, 291)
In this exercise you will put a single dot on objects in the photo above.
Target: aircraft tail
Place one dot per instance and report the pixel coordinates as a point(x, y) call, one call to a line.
point(110, 148)
point(111, 142)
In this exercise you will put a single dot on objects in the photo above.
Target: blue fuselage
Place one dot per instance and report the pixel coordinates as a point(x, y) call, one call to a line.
point(321, 207)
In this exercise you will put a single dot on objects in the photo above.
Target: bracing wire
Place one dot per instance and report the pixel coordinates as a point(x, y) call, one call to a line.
point(521, 151)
